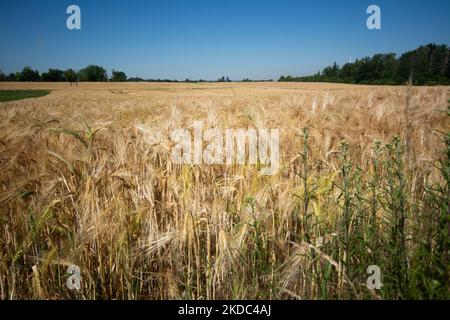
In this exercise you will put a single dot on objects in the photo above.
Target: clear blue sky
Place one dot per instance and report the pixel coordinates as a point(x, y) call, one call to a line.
point(210, 38)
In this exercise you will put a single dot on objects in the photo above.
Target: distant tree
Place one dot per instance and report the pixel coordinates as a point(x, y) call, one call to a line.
point(227, 79)
point(28, 74)
point(439, 60)
point(12, 77)
point(348, 72)
point(288, 79)
point(2, 76)
point(53, 75)
point(93, 73)
point(390, 67)
point(70, 76)
point(221, 79)
point(135, 79)
point(429, 65)
point(331, 73)
point(118, 76)
point(448, 65)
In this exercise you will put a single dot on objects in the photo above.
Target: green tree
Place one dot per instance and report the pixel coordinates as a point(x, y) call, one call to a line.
point(2, 76)
point(12, 77)
point(70, 76)
point(118, 76)
point(53, 75)
point(348, 72)
point(429, 65)
point(448, 65)
point(331, 73)
point(389, 71)
point(28, 74)
point(135, 79)
point(93, 73)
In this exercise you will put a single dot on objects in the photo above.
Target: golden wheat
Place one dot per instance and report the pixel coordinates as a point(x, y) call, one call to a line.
point(84, 181)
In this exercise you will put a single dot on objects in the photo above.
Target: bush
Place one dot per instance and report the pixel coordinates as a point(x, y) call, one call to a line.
point(28, 74)
point(12, 77)
point(93, 73)
point(70, 75)
point(53, 75)
point(118, 76)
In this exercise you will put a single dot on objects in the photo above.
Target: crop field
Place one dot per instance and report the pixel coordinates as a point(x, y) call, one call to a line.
point(11, 95)
point(87, 179)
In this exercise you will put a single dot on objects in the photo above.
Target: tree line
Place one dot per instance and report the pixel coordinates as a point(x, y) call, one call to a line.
point(428, 65)
point(92, 73)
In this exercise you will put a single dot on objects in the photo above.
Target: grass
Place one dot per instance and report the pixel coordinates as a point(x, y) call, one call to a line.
point(82, 182)
point(11, 95)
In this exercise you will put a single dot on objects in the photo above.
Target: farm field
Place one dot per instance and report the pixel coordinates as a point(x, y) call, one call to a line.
point(11, 95)
point(87, 179)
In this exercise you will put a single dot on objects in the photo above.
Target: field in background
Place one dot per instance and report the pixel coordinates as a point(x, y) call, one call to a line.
point(364, 180)
point(11, 95)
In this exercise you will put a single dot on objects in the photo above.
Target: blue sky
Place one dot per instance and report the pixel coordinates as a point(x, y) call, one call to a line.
point(210, 38)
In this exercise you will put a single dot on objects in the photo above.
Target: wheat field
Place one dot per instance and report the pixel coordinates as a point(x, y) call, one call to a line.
point(363, 180)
